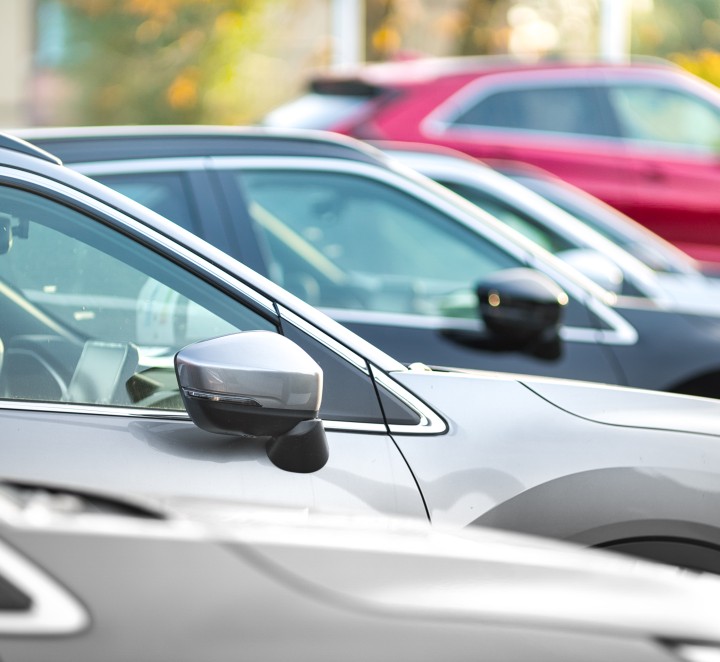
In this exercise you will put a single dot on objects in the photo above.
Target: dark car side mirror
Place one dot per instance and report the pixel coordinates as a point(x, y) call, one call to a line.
point(521, 306)
point(522, 310)
point(257, 384)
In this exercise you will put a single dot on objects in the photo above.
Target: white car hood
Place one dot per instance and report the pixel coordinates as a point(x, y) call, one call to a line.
point(630, 407)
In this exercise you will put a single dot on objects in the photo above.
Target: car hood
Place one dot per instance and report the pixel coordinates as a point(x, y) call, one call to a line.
point(630, 407)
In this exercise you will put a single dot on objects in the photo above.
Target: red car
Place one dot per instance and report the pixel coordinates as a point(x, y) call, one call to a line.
point(644, 137)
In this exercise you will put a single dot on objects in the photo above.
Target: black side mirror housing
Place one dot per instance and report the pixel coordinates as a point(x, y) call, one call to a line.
point(522, 310)
point(521, 307)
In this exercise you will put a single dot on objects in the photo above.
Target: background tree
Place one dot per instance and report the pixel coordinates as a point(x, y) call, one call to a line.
point(159, 61)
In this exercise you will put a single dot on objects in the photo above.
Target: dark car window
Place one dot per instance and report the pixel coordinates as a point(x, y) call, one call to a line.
point(163, 192)
point(523, 223)
point(349, 242)
point(557, 109)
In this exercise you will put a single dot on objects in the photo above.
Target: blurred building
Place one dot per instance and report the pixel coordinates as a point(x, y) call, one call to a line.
point(17, 20)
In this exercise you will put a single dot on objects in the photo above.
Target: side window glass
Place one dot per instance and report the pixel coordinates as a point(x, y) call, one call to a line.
point(356, 400)
point(666, 116)
point(163, 192)
point(524, 224)
point(556, 109)
point(88, 315)
point(344, 241)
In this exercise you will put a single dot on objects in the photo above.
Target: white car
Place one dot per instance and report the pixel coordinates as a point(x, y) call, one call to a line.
point(91, 576)
point(600, 252)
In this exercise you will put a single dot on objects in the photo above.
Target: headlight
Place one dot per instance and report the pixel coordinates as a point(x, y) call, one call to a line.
point(697, 652)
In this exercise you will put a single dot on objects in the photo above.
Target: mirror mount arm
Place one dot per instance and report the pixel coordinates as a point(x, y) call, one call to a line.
point(303, 449)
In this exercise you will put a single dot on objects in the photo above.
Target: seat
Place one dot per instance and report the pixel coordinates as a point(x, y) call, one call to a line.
point(102, 372)
point(38, 366)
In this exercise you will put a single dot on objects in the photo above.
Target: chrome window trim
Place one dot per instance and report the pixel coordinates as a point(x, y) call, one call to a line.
point(621, 333)
point(54, 610)
point(430, 422)
point(91, 409)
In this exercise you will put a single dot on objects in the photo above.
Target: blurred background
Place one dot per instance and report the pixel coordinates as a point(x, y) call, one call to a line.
point(84, 62)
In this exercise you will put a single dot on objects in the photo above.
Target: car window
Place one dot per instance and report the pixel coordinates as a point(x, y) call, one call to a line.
point(660, 115)
point(87, 315)
point(350, 242)
point(557, 109)
point(162, 192)
point(523, 223)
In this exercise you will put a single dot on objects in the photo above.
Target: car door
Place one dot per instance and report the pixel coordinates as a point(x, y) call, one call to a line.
point(372, 251)
point(555, 120)
point(672, 139)
point(288, 234)
point(93, 307)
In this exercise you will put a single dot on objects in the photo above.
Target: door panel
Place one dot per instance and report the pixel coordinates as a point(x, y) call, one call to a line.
point(365, 473)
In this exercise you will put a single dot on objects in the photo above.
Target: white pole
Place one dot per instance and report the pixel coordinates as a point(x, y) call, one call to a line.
point(348, 32)
point(614, 30)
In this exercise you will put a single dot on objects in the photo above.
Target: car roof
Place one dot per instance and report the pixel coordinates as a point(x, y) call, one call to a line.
point(424, 70)
point(109, 143)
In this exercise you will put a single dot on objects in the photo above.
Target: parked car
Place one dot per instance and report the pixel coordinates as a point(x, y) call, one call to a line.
point(393, 256)
point(92, 576)
point(140, 359)
point(650, 248)
point(596, 253)
point(642, 136)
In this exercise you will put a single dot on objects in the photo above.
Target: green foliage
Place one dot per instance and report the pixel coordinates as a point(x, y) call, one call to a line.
point(159, 61)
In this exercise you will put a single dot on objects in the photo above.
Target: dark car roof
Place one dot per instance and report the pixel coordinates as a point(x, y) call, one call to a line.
point(79, 144)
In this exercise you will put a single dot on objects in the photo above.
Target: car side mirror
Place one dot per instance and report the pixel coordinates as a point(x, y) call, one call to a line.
point(257, 384)
point(596, 266)
point(521, 307)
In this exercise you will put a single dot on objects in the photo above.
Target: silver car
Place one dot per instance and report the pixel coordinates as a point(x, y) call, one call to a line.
point(138, 358)
point(90, 576)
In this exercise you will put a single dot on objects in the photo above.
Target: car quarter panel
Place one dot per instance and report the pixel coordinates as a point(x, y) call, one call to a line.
point(506, 444)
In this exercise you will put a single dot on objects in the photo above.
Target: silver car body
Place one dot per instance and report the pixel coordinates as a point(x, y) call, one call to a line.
point(115, 579)
point(634, 470)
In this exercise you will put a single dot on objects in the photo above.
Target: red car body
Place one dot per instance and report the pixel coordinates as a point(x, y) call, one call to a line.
point(643, 137)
